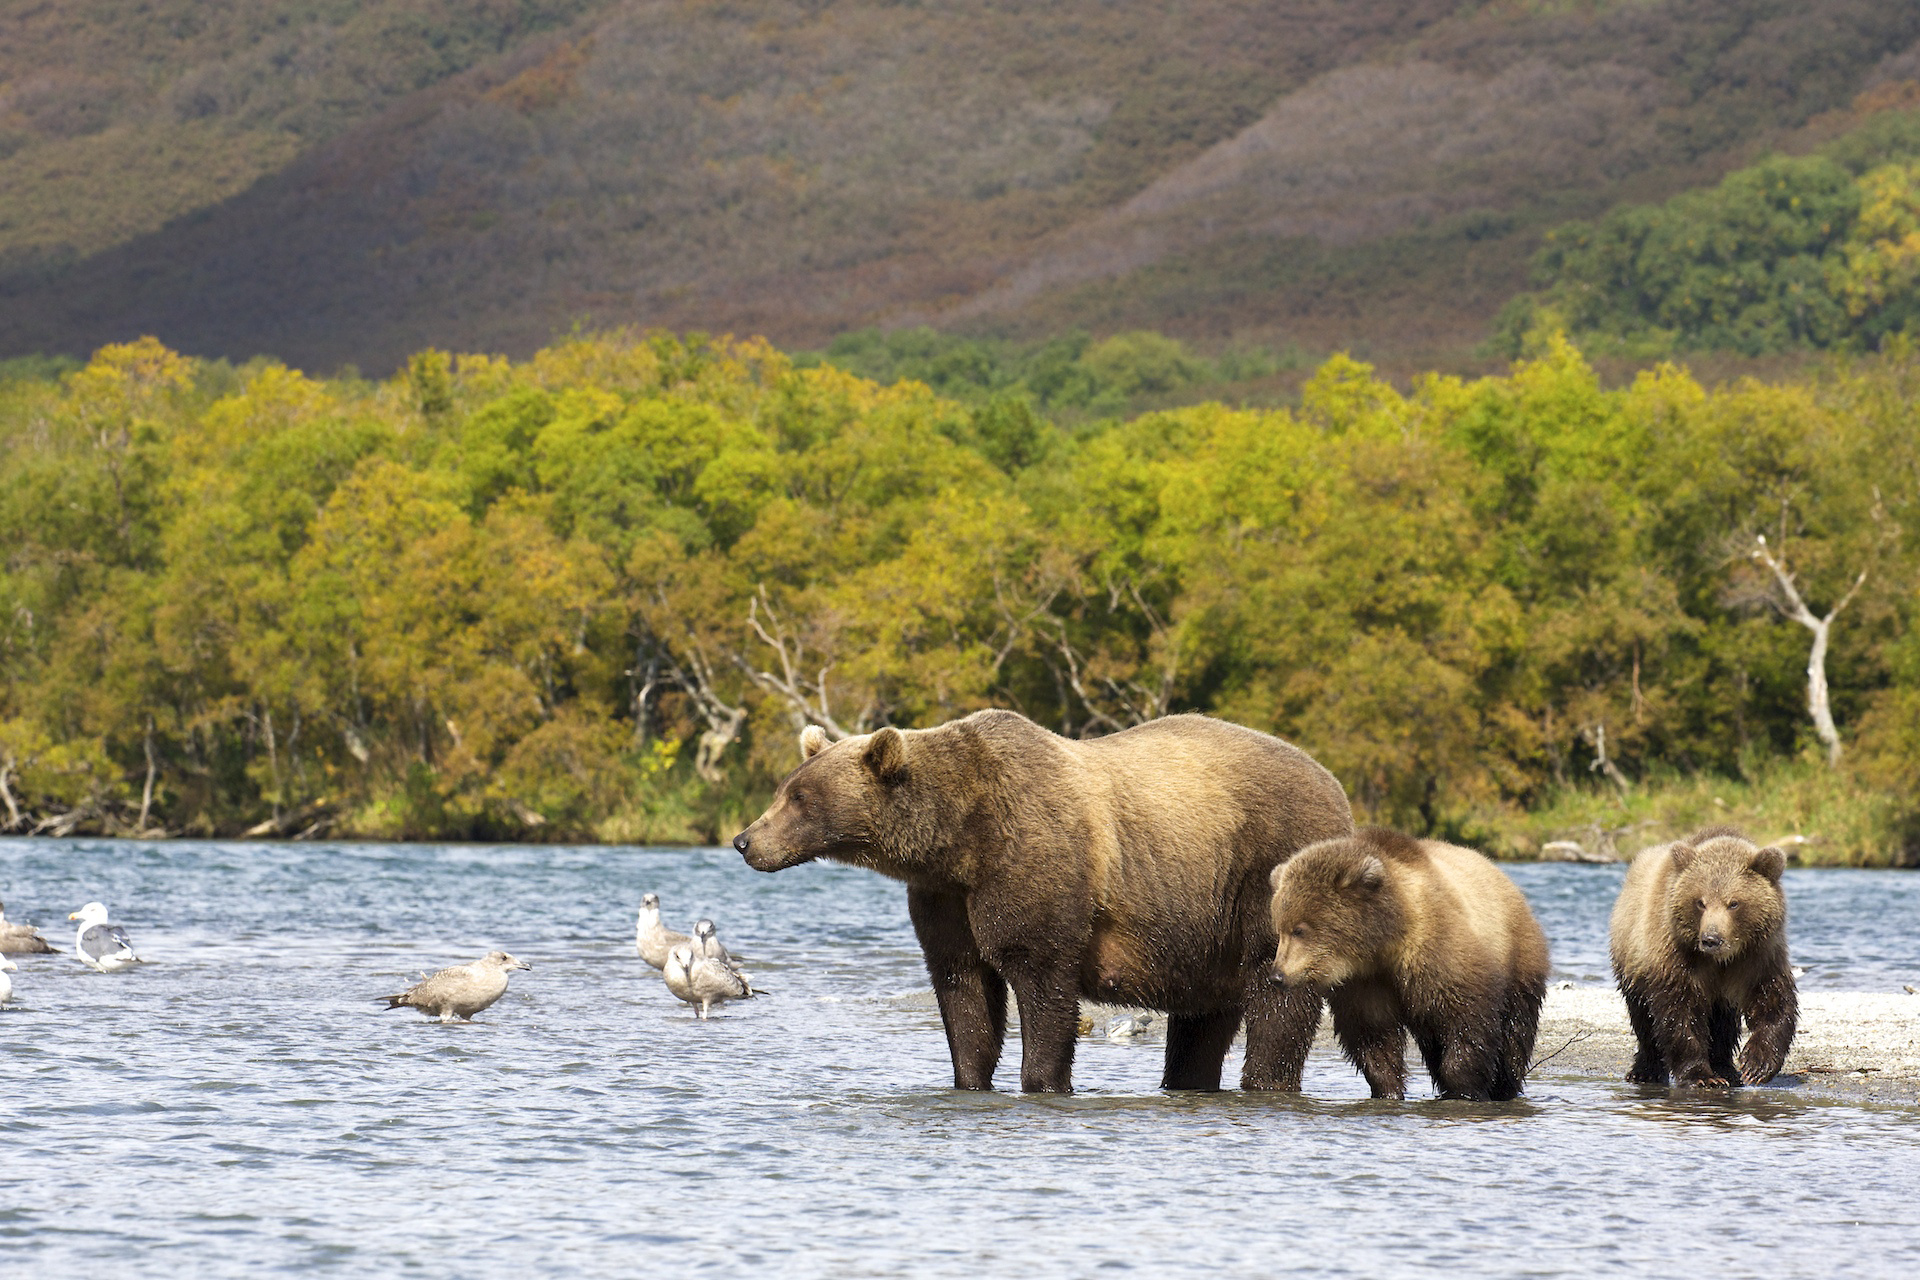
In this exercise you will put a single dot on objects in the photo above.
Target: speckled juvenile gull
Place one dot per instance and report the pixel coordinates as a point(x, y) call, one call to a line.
point(21, 939)
point(462, 991)
point(702, 982)
point(651, 938)
point(100, 944)
point(6, 984)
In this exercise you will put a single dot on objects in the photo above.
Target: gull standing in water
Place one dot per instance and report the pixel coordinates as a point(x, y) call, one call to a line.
point(706, 942)
point(651, 938)
point(99, 944)
point(462, 991)
point(21, 939)
point(703, 982)
point(6, 984)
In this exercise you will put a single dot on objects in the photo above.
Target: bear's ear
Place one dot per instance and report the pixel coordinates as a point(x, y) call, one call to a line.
point(1369, 875)
point(1768, 863)
point(886, 755)
point(813, 740)
point(1273, 876)
point(1682, 855)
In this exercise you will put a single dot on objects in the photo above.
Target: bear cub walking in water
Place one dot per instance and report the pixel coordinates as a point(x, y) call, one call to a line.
point(1700, 942)
point(1415, 935)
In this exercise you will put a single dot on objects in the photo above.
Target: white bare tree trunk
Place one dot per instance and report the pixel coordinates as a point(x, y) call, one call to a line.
point(146, 793)
point(1819, 706)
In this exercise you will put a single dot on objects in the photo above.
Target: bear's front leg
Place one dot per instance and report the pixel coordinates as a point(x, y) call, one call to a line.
point(1680, 1026)
point(972, 997)
point(1648, 1066)
point(1370, 1033)
point(1049, 997)
point(1723, 1034)
point(1773, 1014)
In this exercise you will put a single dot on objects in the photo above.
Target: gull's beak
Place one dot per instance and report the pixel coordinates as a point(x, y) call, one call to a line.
point(521, 964)
point(73, 915)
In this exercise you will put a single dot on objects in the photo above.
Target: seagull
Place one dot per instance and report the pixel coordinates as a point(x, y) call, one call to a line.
point(707, 943)
point(462, 991)
point(651, 938)
point(101, 945)
point(21, 939)
point(704, 982)
point(6, 984)
point(1123, 1029)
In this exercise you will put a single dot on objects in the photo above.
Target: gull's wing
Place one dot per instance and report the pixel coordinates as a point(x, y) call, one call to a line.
point(103, 941)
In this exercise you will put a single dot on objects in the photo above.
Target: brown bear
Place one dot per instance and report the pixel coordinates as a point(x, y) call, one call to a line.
point(1130, 869)
point(1414, 935)
point(1700, 942)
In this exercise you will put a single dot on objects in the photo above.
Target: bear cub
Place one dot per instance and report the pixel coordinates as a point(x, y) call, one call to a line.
point(1700, 943)
point(1404, 935)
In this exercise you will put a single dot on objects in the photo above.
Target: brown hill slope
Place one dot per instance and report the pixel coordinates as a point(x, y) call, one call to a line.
point(1337, 169)
point(119, 115)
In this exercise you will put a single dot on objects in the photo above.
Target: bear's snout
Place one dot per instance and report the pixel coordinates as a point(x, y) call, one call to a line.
point(1712, 942)
point(741, 843)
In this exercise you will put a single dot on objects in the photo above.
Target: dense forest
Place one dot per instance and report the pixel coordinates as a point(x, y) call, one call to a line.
point(594, 594)
point(1819, 251)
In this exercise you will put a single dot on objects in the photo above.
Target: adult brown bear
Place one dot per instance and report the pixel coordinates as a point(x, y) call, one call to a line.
point(1130, 869)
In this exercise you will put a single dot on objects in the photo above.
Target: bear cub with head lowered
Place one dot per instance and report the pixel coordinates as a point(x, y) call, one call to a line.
point(1700, 942)
point(1415, 935)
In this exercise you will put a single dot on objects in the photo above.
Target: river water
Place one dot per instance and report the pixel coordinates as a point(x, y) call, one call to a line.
point(242, 1105)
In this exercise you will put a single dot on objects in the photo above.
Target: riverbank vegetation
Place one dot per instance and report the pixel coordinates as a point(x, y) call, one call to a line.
point(593, 595)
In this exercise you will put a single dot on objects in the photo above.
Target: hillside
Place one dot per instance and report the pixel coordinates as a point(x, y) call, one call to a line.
point(1365, 173)
point(119, 115)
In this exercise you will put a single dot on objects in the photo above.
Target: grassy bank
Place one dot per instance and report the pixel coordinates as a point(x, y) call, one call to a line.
point(1825, 817)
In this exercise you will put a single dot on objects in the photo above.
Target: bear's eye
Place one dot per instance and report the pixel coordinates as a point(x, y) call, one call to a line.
point(1699, 904)
point(798, 799)
point(1299, 931)
point(1733, 904)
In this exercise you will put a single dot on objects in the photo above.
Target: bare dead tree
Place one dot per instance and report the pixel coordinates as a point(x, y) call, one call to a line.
point(1596, 736)
point(1788, 602)
point(691, 671)
point(808, 697)
point(643, 678)
point(1112, 704)
point(7, 765)
point(146, 792)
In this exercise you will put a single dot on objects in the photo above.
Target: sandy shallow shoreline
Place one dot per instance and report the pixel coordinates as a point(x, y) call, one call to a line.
point(1857, 1043)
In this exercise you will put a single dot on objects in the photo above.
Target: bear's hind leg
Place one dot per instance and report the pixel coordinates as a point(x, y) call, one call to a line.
point(1462, 1058)
point(1280, 1026)
point(972, 997)
point(1519, 1026)
point(1197, 1046)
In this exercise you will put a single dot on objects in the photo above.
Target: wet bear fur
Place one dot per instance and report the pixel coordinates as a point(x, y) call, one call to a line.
point(1699, 944)
point(1130, 869)
point(1406, 935)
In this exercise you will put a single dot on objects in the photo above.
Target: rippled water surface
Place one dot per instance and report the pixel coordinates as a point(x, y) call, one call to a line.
point(241, 1104)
